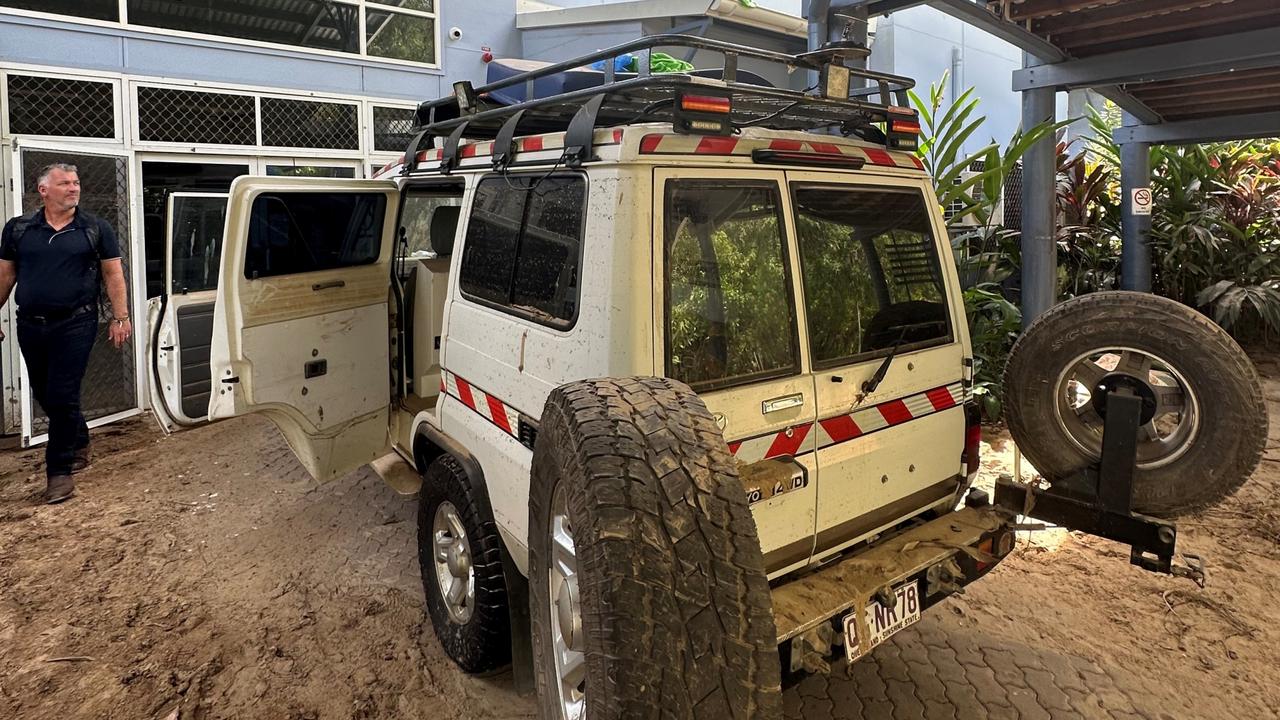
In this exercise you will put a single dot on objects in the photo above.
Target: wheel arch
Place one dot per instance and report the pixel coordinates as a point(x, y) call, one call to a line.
point(429, 443)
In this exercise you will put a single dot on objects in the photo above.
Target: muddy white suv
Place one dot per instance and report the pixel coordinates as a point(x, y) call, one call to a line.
point(683, 385)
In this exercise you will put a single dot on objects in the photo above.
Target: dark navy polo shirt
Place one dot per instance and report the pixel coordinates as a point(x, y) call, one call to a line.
point(57, 269)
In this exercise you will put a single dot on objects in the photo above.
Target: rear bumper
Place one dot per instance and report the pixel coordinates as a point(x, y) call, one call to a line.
point(944, 554)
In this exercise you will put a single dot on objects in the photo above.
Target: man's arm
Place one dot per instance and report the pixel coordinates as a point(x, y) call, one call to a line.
point(8, 276)
point(118, 292)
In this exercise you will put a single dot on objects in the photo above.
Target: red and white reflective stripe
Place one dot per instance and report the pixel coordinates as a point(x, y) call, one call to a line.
point(532, 143)
point(803, 438)
point(487, 406)
point(665, 144)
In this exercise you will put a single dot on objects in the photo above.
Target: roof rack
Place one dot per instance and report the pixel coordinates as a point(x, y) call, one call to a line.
point(842, 99)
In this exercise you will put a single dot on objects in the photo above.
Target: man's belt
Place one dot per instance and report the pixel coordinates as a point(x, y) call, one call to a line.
point(47, 316)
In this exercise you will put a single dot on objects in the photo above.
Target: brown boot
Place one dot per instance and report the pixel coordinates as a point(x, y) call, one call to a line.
point(59, 488)
point(82, 460)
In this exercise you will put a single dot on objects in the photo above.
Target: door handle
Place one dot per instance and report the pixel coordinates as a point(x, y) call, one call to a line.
point(327, 285)
point(786, 402)
point(315, 368)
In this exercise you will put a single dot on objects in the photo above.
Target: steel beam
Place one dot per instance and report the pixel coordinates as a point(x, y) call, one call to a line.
point(1039, 169)
point(1129, 104)
point(980, 17)
point(1188, 132)
point(1045, 51)
point(1206, 56)
point(1135, 230)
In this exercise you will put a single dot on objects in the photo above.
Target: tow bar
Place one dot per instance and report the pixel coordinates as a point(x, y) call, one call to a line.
point(1098, 499)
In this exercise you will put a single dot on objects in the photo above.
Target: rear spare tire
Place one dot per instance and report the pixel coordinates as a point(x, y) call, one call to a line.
point(647, 584)
point(1207, 423)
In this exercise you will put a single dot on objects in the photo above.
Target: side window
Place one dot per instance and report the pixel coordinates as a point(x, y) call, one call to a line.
point(523, 245)
point(872, 276)
point(303, 232)
point(418, 217)
point(197, 242)
point(728, 290)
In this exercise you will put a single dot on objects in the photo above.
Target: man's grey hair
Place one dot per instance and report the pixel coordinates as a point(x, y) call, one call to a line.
point(43, 178)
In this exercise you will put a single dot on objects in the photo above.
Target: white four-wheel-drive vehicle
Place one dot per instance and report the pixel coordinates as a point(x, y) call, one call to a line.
point(677, 364)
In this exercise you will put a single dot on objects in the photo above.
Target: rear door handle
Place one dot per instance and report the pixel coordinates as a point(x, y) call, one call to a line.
point(786, 402)
point(327, 285)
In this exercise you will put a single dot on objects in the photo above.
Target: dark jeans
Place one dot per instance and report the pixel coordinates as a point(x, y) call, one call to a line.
point(57, 355)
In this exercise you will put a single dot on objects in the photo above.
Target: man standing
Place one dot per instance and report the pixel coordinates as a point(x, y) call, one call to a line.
point(58, 255)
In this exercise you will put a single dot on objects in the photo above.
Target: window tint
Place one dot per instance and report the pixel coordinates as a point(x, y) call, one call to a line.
point(522, 246)
point(197, 242)
point(872, 277)
point(729, 315)
point(94, 9)
point(303, 232)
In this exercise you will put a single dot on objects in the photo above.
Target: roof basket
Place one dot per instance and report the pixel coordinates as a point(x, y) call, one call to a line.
point(851, 100)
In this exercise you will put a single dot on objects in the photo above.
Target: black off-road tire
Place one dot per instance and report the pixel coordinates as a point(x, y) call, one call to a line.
point(483, 643)
point(1233, 420)
point(676, 608)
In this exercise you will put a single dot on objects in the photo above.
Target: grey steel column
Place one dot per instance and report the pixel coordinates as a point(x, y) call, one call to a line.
point(1039, 171)
point(1135, 253)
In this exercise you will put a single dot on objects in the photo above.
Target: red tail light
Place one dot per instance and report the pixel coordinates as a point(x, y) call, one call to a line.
point(904, 126)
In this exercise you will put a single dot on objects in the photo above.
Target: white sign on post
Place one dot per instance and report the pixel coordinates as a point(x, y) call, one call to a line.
point(1141, 201)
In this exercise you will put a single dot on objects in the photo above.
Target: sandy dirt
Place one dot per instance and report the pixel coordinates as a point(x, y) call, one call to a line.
point(204, 575)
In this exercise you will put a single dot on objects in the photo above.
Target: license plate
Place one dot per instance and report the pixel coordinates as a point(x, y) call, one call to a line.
point(881, 622)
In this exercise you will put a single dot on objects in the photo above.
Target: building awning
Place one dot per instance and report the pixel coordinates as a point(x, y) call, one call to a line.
point(1183, 59)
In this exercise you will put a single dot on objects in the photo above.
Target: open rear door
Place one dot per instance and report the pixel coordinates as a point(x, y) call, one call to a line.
point(300, 326)
point(180, 320)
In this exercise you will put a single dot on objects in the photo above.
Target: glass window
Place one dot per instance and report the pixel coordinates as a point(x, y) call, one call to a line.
point(729, 308)
point(197, 243)
point(326, 171)
point(191, 116)
point(88, 9)
point(400, 36)
point(392, 128)
point(872, 278)
point(40, 105)
point(418, 212)
point(523, 244)
point(322, 24)
point(303, 232)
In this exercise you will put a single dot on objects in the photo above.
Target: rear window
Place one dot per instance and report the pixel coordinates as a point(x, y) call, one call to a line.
point(304, 232)
point(523, 246)
point(871, 272)
point(728, 288)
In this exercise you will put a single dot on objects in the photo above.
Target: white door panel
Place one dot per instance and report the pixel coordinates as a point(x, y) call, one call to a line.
point(180, 322)
point(301, 326)
point(895, 278)
point(768, 422)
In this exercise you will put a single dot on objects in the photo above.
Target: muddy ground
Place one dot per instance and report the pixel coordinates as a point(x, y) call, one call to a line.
point(204, 575)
